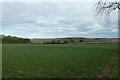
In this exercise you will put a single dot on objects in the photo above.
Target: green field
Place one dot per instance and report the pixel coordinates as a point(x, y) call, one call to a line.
point(59, 60)
point(0, 60)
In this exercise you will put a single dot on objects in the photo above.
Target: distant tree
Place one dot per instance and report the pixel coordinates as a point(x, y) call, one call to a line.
point(96, 39)
point(65, 42)
point(58, 42)
point(53, 42)
point(16, 40)
point(81, 40)
point(72, 41)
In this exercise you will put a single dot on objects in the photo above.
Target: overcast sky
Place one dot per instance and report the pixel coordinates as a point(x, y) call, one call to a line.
point(56, 20)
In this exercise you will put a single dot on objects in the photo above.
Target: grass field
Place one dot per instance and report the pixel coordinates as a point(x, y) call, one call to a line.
point(0, 60)
point(59, 60)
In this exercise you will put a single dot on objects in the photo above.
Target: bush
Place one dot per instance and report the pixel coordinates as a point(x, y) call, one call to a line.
point(15, 40)
point(81, 41)
point(65, 42)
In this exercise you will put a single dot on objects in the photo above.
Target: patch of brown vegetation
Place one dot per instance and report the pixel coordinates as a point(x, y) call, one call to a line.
point(108, 69)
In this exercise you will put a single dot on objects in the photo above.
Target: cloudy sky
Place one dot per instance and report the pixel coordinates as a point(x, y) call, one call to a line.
point(56, 20)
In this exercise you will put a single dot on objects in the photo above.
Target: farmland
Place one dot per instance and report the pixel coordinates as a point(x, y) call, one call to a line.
point(59, 60)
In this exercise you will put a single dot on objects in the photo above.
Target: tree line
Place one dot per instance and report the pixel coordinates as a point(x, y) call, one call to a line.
point(14, 40)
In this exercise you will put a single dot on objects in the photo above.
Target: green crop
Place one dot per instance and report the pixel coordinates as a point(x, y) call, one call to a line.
point(57, 60)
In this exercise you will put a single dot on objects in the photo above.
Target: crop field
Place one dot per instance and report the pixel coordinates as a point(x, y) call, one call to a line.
point(59, 60)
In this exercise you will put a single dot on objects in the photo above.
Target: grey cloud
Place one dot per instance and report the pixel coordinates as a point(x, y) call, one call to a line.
point(52, 19)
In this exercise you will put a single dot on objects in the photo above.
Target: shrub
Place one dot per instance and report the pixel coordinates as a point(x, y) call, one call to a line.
point(81, 41)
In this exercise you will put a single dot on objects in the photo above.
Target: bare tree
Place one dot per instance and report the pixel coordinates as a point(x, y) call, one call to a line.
point(105, 7)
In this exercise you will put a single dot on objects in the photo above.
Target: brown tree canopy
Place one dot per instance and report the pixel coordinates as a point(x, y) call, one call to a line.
point(105, 7)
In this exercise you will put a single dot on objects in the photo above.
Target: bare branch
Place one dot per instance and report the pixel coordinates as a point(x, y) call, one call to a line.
point(104, 7)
